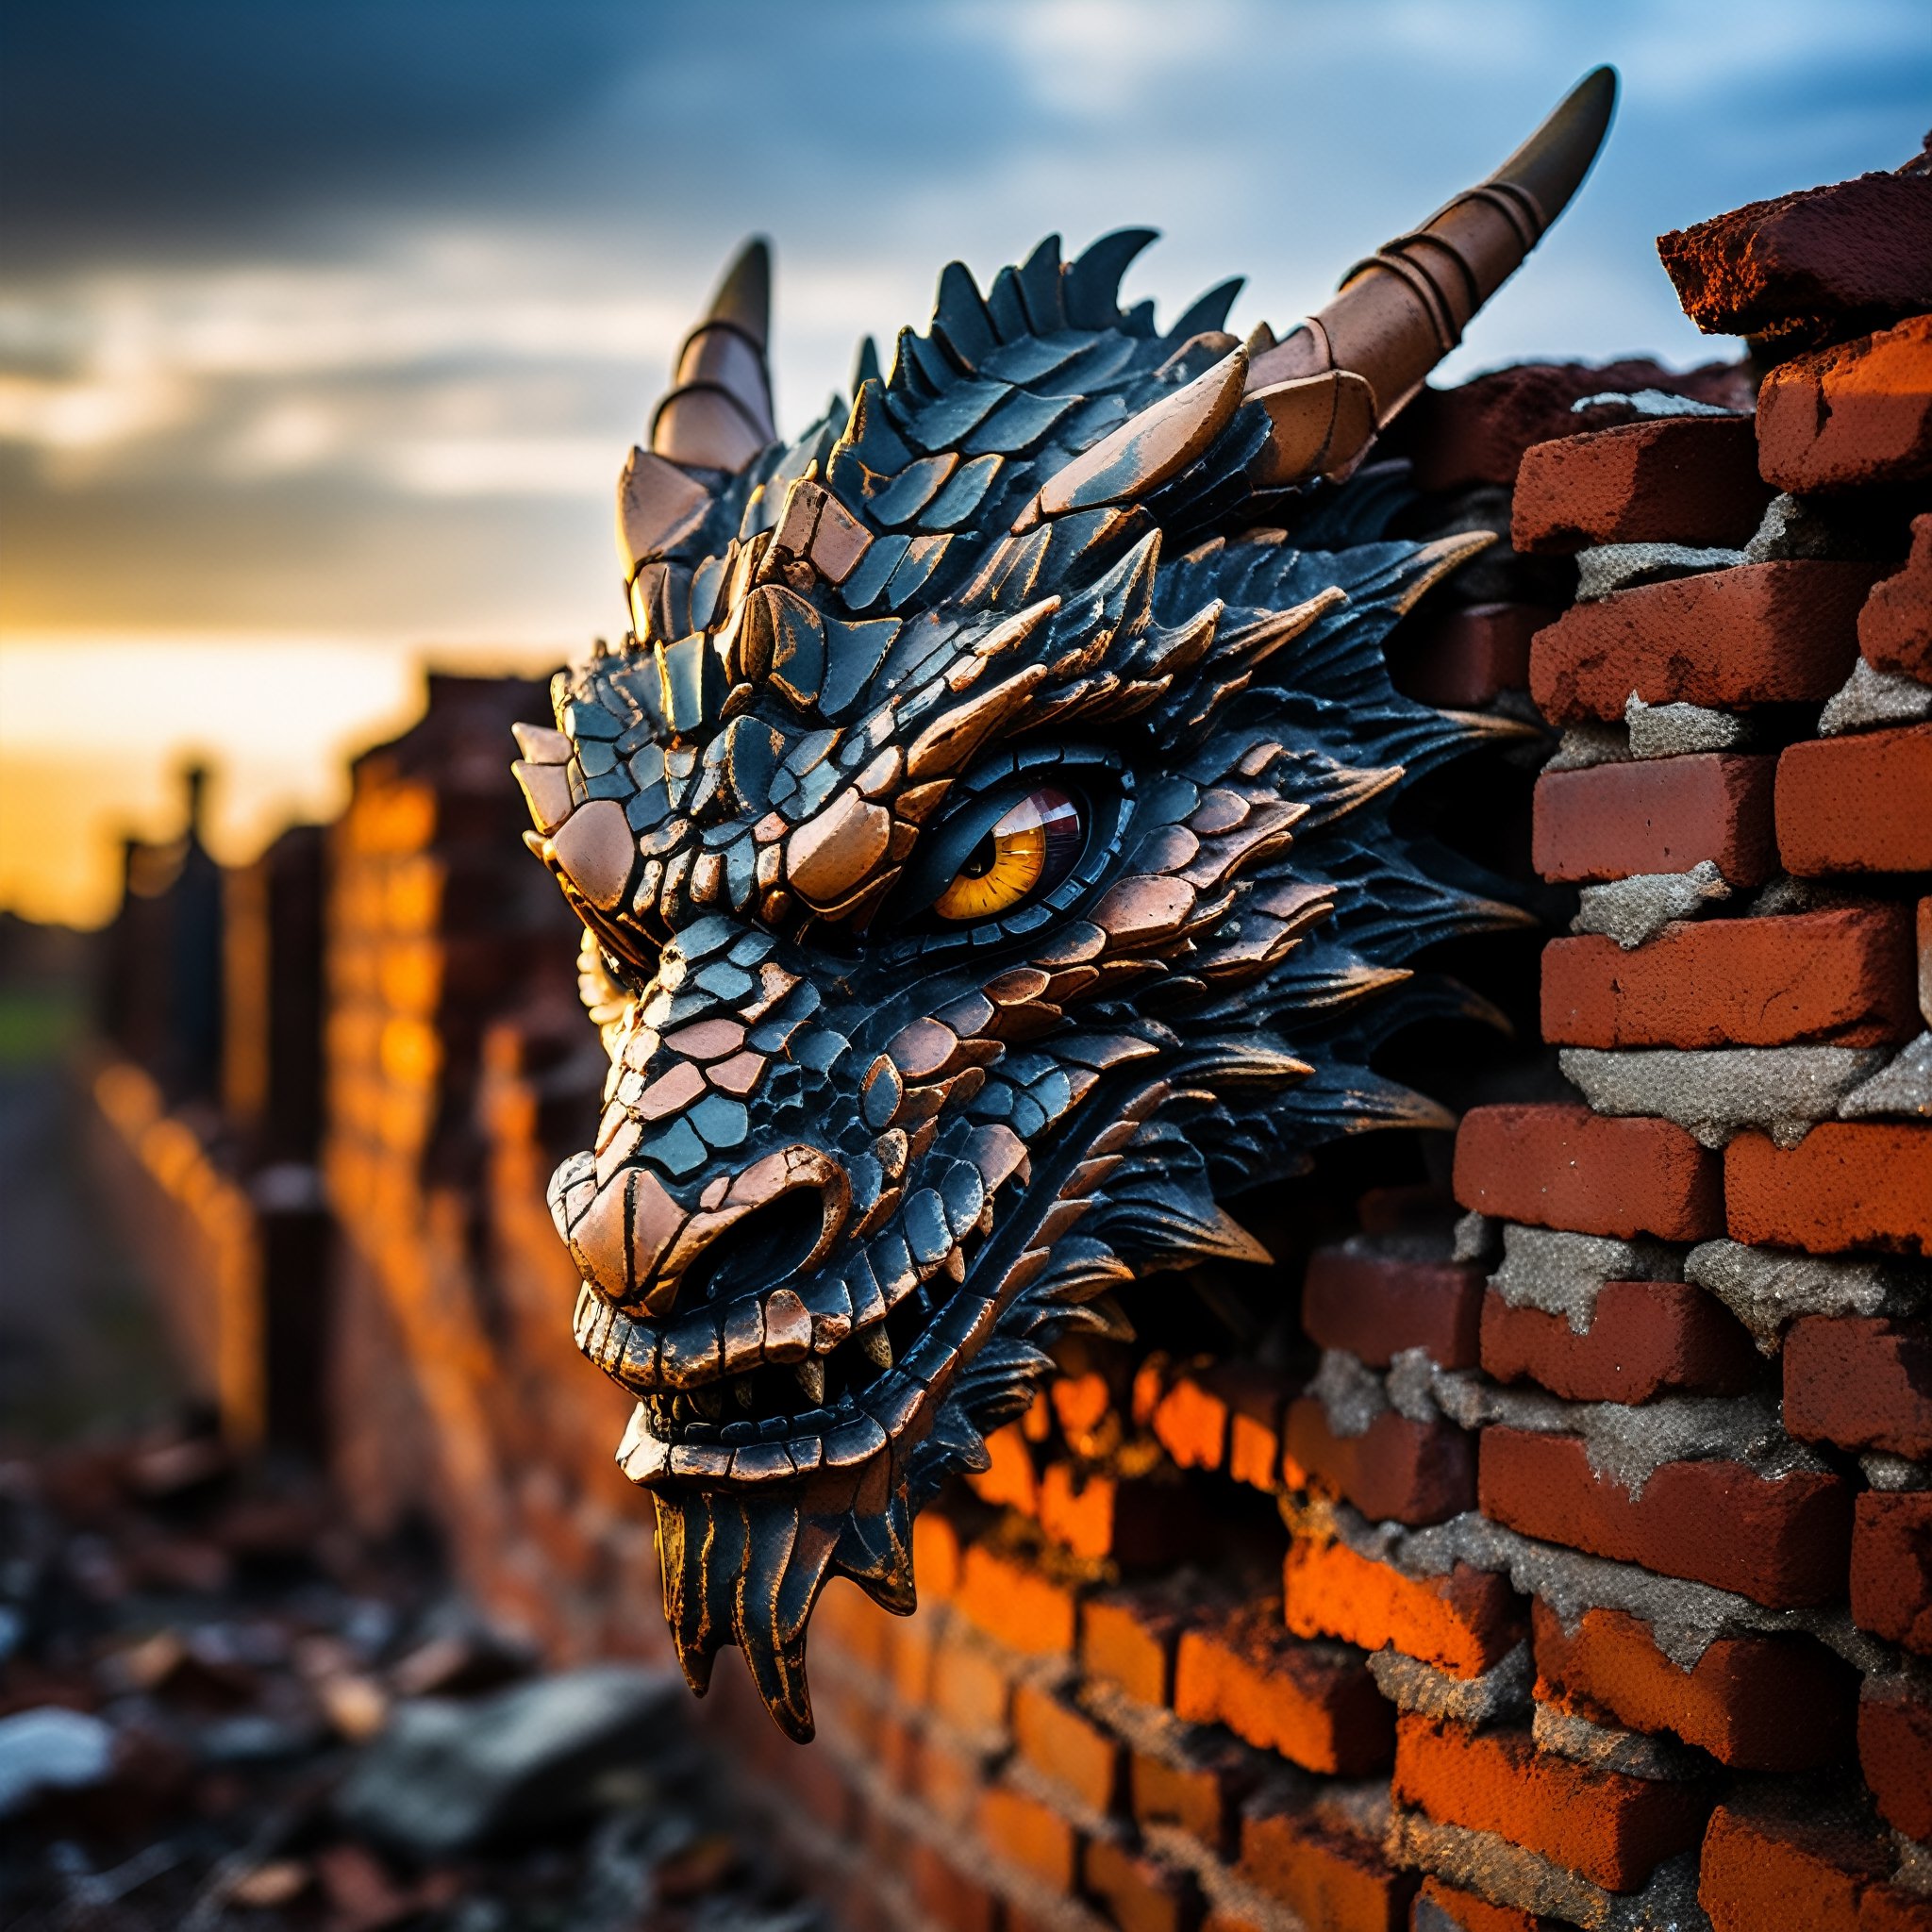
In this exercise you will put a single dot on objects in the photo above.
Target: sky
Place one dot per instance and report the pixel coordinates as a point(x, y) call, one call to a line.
point(325, 324)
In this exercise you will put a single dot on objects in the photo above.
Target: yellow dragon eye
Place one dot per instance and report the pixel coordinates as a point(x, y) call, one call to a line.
point(1030, 850)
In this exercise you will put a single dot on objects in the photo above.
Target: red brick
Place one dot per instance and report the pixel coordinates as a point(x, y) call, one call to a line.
point(1478, 431)
point(1142, 1894)
point(1009, 1480)
point(1613, 1829)
point(1257, 1399)
point(1855, 414)
point(1395, 1470)
point(1019, 1605)
point(1847, 1184)
point(1895, 1755)
point(950, 1900)
point(950, 1782)
point(1859, 804)
point(1861, 1383)
point(1066, 1745)
point(1841, 978)
point(1462, 1622)
point(1199, 1788)
point(849, 1621)
point(1657, 815)
point(1020, 1831)
point(1754, 1703)
point(1923, 925)
point(1190, 1420)
point(1783, 1543)
point(1328, 1876)
point(1133, 1521)
point(1468, 1913)
point(1128, 1639)
point(913, 1644)
point(1464, 659)
point(969, 1689)
point(1770, 1864)
point(1645, 1339)
point(1376, 1305)
point(1816, 258)
point(1565, 1167)
point(1316, 1705)
point(1671, 479)
point(1892, 1567)
point(936, 1557)
point(1755, 634)
point(1895, 625)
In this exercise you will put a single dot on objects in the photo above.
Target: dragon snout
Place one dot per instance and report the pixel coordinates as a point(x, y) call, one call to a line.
point(638, 1247)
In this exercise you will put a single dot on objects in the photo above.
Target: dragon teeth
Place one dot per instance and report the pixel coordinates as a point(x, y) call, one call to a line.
point(877, 1345)
point(811, 1378)
point(708, 1402)
point(740, 1390)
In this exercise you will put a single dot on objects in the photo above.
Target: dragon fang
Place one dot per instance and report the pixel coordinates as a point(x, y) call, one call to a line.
point(983, 845)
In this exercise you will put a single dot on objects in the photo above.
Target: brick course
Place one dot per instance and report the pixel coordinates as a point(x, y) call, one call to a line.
point(1673, 479)
point(1565, 1167)
point(1613, 1829)
point(1657, 815)
point(1847, 1185)
point(1857, 413)
point(1754, 1703)
point(1842, 978)
point(1856, 805)
point(1755, 634)
point(1892, 1567)
point(1645, 1339)
point(1783, 1543)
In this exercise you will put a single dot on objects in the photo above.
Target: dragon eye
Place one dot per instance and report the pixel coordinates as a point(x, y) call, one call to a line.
point(1030, 850)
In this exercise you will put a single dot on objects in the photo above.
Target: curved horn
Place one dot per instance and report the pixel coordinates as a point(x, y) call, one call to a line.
point(718, 412)
point(1403, 309)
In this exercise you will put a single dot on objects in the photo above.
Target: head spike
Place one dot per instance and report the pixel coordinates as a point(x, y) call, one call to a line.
point(1094, 282)
point(1147, 450)
point(1403, 309)
point(717, 414)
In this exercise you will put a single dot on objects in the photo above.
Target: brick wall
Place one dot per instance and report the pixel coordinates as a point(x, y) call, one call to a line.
point(1547, 1539)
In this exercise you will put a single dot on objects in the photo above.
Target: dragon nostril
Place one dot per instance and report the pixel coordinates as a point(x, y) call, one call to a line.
point(757, 1250)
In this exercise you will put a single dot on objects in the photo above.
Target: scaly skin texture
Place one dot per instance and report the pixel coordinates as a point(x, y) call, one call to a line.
point(858, 1162)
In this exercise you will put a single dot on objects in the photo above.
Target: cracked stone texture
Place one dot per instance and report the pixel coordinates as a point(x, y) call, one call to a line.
point(1604, 569)
point(1499, 1695)
point(1871, 700)
point(1638, 908)
point(1477, 1237)
point(1767, 1288)
point(1667, 731)
point(1715, 1092)
point(1797, 529)
point(1894, 1472)
point(1562, 1274)
point(1899, 1090)
point(1482, 1862)
point(1647, 402)
point(1351, 1393)
point(1609, 1747)
point(1591, 743)
point(1628, 1444)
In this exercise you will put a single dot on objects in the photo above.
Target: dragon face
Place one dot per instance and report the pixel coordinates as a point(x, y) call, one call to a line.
point(984, 844)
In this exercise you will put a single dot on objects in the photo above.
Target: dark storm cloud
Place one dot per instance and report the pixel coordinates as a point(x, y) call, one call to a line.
point(145, 129)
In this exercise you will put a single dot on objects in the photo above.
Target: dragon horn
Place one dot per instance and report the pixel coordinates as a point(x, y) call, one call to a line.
point(1340, 375)
point(718, 412)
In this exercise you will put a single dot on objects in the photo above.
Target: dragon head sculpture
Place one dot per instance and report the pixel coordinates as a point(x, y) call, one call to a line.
point(983, 844)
